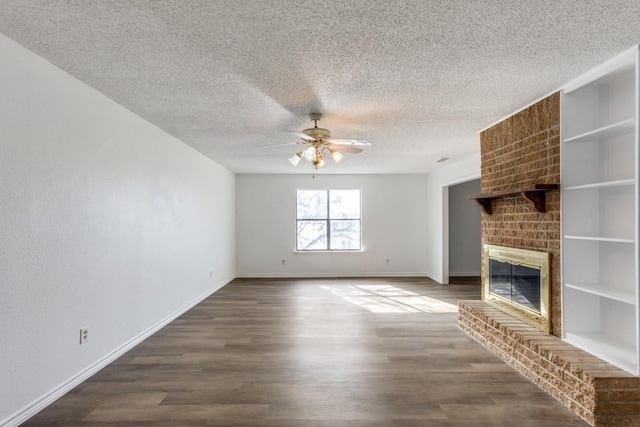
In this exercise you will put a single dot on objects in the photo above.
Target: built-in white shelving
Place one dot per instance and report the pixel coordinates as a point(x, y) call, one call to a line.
point(606, 132)
point(599, 154)
point(599, 239)
point(603, 346)
point(618, 183)
point(606, 291)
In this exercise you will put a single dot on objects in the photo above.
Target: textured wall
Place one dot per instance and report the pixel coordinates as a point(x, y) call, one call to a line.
point(519, 151)
point(393, 227)
point(106, 222)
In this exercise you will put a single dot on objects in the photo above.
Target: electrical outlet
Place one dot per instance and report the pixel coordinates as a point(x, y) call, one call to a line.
point(210, 274)
point(387, 260)
point(282, 262)
point(84, 335)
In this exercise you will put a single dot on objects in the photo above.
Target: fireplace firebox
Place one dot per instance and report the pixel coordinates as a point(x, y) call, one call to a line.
point(517, 282)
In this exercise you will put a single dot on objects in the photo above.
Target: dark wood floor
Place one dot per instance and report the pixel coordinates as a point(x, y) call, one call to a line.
point(365, 352)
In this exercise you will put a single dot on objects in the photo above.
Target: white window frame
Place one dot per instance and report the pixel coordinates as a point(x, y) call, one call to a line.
point(328, 222)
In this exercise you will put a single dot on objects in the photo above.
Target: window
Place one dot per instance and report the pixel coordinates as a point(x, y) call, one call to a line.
point(328, 220)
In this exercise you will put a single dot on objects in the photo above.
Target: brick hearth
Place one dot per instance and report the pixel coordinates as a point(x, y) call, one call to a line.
point(600, 393)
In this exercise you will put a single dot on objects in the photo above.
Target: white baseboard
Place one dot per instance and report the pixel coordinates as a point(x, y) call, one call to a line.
point(326, 275)
point(434, 277)
point(50, 397)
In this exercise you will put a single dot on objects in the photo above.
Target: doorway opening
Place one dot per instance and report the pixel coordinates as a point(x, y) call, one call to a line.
point(464, 234)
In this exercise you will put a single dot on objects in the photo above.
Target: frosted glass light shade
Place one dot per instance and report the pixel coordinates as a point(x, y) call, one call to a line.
point(337, 156)
point(295, 159)
point(309, 154)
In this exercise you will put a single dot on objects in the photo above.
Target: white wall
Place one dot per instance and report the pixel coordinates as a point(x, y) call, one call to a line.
point(105, 221)
point(437, 217)
point(393, 226)
point(465, 234)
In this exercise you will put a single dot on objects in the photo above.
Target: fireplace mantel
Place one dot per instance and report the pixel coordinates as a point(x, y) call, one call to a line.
point(535, 194)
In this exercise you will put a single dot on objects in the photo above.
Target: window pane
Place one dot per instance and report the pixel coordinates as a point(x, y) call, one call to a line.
point(312, 235)
point(312, 204)
point(344, 204)
point(345, 235)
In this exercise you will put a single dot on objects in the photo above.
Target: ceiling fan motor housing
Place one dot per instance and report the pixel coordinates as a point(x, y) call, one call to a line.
point(318, 133)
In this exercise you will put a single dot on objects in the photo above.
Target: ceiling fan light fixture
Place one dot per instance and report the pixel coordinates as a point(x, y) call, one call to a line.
point(336, 156)
point(295, 159)
point(309, 154)
point(317, 143)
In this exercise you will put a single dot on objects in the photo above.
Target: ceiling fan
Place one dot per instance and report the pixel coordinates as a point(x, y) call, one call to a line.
point(317, 142)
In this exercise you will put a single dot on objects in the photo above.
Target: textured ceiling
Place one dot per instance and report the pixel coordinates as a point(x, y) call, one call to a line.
point(418, 79)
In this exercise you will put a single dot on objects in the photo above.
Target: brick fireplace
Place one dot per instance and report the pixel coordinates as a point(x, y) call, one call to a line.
point(520, 152)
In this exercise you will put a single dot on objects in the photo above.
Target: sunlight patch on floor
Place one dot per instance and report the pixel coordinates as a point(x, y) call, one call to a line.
point(390, 299)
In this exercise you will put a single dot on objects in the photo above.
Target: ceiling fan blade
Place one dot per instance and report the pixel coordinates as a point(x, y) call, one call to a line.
point(346, 148)
point(303, 136)
point(356, 142)
point(279, 145)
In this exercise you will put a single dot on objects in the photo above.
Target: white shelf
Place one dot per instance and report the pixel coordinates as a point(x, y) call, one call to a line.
point(600, 239)
point(600, 177)
point(606, 347)
point(605, 292)
point(606, 132)
point(605, 184)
